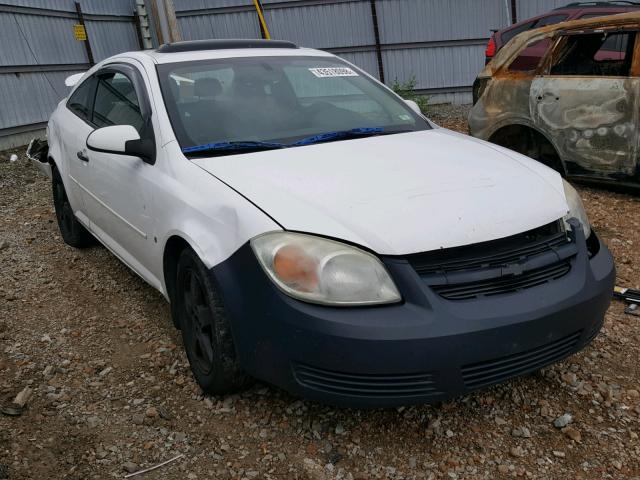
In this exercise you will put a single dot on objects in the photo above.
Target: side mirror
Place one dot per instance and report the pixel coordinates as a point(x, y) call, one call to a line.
point(112, 139)
point(122, 140)
point(413, 106)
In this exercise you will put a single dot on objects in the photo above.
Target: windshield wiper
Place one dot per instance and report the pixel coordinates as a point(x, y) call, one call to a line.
point(340, 135)
point(232, 147)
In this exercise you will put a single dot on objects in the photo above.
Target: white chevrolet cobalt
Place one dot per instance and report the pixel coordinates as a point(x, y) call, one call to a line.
point(313, 230)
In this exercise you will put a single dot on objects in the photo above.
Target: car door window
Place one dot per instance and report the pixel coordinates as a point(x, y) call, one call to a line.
point(116, 102)
point(595, 54)
point(80, 101)
point(531, 56)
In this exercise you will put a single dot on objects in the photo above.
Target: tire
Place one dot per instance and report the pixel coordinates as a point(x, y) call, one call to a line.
point(73, 232)
point(206, 329)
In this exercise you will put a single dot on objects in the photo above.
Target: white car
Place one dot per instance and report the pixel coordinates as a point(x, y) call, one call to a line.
point(313, 230)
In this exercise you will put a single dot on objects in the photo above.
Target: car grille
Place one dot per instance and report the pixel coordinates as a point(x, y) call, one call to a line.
point(498, 267)
point(418, 384)
point(513, 283)
point(500, 369)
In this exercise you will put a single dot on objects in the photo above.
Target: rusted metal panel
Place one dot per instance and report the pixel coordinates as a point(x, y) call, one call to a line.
point(505, 102)
point(590, 122)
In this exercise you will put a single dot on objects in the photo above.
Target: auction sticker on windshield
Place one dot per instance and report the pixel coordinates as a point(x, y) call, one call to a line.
point(324, 72)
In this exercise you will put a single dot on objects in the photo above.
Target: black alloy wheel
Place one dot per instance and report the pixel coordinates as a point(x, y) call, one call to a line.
point(206, 328)
point(72, 231)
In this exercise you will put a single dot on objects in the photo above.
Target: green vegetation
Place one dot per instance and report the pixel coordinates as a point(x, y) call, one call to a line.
point(407, 90)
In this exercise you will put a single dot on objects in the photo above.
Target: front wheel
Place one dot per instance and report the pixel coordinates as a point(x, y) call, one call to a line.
point(206, 330)
point(73, 232)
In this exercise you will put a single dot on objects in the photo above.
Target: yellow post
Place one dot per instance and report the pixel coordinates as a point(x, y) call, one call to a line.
point(267, 35)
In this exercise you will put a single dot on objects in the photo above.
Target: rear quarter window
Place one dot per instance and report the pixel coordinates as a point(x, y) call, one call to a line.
point(551, 20)
point(530, 57)
point(539, 23)
point(80, 101)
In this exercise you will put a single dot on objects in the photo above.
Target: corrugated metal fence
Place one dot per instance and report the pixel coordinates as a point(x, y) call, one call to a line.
point(38, 51)
point(531, 8)
point(439, 42)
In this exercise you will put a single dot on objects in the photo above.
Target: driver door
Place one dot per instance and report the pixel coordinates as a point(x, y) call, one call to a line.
point(118, 188)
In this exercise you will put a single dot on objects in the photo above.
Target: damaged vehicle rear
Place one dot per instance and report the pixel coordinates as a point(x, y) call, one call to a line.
point(576, 108)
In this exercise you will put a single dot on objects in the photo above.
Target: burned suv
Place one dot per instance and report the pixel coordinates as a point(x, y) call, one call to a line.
point(575, 109)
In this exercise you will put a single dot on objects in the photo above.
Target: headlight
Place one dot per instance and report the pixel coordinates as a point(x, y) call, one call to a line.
point(576, 208)
point(322, 271)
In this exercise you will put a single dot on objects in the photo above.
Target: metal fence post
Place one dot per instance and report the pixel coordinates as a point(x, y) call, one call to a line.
point(172, 21)
point(264, 30)
point(376, 34)
point(87, 43)
point(142, 25)
point(165, 21)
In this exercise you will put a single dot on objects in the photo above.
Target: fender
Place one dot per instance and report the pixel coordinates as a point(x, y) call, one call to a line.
point(212, 247)
point(523, 122)
point(215, 230)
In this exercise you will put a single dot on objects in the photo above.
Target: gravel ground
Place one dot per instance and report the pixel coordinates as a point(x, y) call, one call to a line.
point(450, 116)
point(112, 391)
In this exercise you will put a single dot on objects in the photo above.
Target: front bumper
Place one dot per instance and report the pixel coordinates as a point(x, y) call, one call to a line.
point(422, 350)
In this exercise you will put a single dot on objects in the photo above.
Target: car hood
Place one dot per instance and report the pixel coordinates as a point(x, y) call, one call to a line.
point(398, 194)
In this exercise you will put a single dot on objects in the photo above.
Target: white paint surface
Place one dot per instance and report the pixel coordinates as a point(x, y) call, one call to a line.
point(398, 194)
point(395, 194)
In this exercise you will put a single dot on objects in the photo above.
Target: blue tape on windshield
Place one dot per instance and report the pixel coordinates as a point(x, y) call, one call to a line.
point(230, 146)
point(323, 137)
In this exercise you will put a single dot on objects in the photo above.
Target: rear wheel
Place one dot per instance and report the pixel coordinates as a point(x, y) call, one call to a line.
point(72, 231)
point(206, 330)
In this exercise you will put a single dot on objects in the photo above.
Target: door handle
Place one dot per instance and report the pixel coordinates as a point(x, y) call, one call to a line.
point(540, 97)
point(82, 156)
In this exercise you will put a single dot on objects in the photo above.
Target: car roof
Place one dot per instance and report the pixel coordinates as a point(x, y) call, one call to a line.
point(157, 56)
point(189, 56)
point(603, 22)
point(615, 4)
point(577, 8)
point(195, 50)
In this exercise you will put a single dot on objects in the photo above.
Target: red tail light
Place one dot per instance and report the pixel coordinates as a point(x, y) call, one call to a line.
point(491, 48)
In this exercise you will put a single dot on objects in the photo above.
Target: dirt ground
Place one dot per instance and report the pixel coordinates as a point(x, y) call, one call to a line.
point(112, 390)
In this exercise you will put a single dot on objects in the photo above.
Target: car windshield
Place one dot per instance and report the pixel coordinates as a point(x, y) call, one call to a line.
point(254, 103)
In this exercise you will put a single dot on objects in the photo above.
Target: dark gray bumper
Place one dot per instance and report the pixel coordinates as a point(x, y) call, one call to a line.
point(423, 350)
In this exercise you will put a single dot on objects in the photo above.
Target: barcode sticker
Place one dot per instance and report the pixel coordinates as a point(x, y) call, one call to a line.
point(327, 72)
